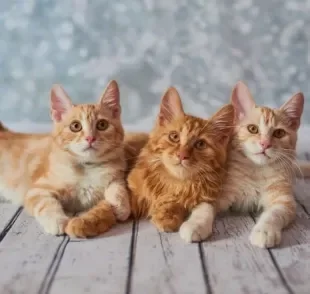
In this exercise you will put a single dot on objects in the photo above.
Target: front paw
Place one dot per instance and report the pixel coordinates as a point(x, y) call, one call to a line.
point(194, 232)
point(265, 236)
point(53, 225)
point(121, 210)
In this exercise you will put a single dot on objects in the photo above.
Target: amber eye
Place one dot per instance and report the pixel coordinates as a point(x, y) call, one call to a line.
point(201, 144)
point(75, 126)
point(253, 129)
point(279, 133)
point(102, 125)
point(174, 137)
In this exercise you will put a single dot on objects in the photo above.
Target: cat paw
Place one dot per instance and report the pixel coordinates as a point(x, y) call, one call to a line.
point(121, 211)
point(265, 237)
point(53, 225)
point(193, 232)
point(120, 206)
point(75, 228)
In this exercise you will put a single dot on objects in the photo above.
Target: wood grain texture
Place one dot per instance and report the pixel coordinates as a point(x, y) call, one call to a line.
point(234, 265)
point(165, 264)
point(26, 254)
point(8, 215)
point(95, 265)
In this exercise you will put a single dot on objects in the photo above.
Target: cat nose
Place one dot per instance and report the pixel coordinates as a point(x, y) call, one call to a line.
point(265, 144)
point(183, 155)
point(90, 139)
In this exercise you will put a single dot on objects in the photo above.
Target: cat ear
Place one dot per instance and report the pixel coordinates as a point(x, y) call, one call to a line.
point(110, 99)
point(293, 109)
point(242, 100)
point(170, 106)
point(60, 102)
point(223, 121)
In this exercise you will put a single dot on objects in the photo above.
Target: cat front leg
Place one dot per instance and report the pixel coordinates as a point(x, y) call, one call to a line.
point(48, 211)
point(96, 221)
point(199, 225)
point(117, 195)
point(167, 216)
point(279, 211)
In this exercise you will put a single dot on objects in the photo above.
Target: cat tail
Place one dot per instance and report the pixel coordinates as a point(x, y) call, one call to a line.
point(303, 170)
point(93, 222)
point(3, 128)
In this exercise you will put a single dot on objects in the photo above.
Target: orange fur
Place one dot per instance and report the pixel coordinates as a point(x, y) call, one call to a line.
point(258, 177)
point(133, 143)
point(171, 179)
point(71, 170)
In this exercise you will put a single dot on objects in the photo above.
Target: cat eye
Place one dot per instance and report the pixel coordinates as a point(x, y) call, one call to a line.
point(75, 126)
point(174, 137)
point(253, 129)
point(279, 133)
point(102, 125)
point(201, 144)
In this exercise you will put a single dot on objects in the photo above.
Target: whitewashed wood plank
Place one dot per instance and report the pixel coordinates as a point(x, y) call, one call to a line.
point(26, 253)
point(293, 256)
point(95, 265)
point(8, 214)
point(234, 265)
point(302, 188)
point(165, 264)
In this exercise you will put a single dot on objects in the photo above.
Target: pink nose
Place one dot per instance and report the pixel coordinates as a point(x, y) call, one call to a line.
point(265, 144)
point(90, 139)
point(183, 155)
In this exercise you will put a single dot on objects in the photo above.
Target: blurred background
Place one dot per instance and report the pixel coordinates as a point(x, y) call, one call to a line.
point(202, 47)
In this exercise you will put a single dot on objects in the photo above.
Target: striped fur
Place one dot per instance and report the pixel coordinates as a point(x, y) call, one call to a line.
point(168, 189)
point(57, 175)
point(262, 181)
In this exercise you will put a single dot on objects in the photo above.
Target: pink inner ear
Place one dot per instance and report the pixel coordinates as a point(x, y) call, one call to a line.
point(116, 112)
point(60, 103)
point(58, 108)
point(171, 106)
point(56, 115)
point(111, 99)
point(242, 100)
point(294, 109)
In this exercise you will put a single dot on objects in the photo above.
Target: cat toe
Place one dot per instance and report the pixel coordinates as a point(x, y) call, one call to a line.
point(265, 237)
point(192, 232)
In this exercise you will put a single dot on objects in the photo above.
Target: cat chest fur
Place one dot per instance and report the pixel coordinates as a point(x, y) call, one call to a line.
point(84, 191)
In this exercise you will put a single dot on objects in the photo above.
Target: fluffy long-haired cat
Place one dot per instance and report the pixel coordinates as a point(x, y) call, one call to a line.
point(179, 172)
point(79, 167)
point(261, 164)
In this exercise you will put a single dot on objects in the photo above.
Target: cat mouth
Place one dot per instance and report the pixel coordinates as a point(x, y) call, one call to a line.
point(88, 148)
point(182, 163)
point(262, 153)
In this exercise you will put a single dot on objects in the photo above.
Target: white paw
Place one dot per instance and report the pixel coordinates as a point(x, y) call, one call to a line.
point(122, 210)
point(53, 225)
point(265, 236)
point(194, 232)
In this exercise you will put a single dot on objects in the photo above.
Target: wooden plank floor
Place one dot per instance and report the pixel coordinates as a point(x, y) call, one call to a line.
point(135, 258)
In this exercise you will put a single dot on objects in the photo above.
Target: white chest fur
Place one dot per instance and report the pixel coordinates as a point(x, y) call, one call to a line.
point(84, 191)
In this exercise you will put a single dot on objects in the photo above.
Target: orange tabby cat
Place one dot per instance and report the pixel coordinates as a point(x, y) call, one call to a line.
point(260, 165)
point(79, 166)
point(179, 172)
